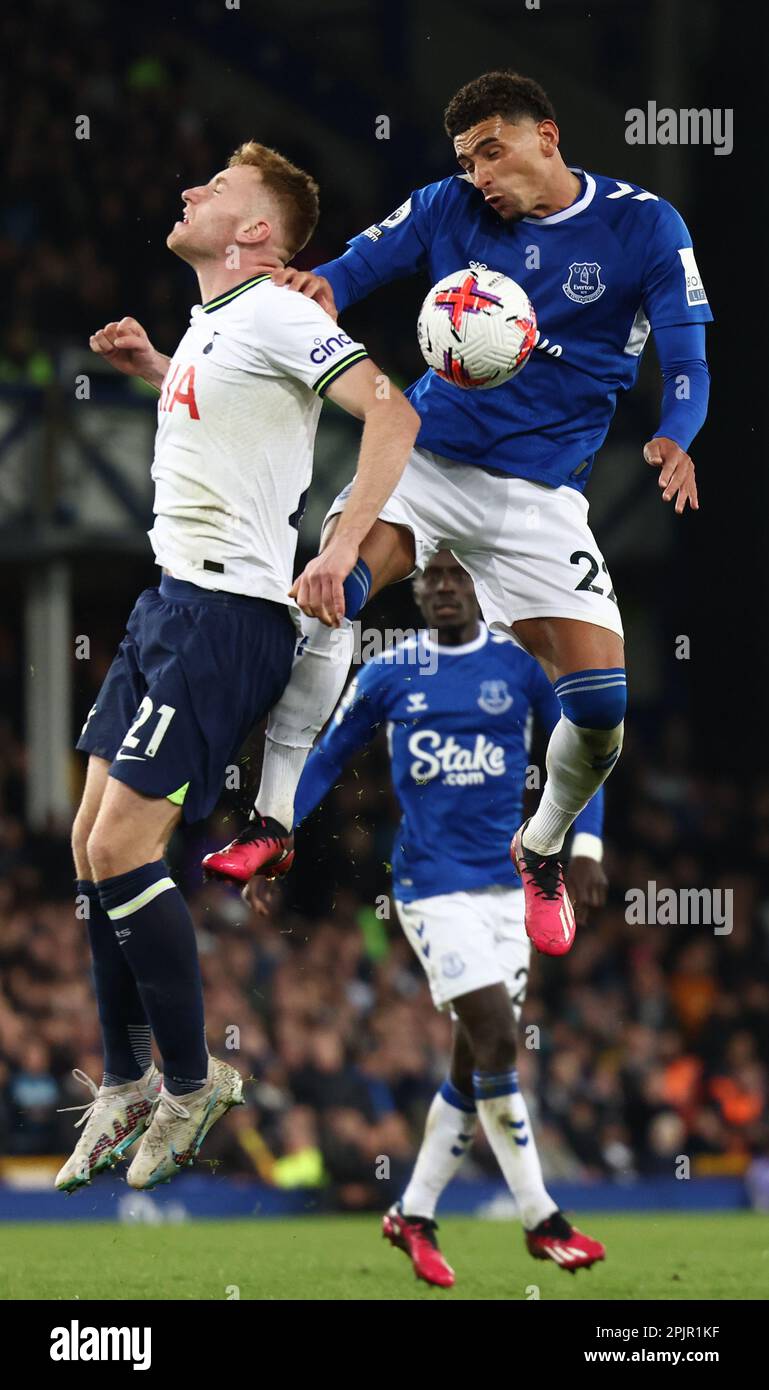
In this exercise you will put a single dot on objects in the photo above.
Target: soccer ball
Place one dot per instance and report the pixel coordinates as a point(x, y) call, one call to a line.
point(477, 328)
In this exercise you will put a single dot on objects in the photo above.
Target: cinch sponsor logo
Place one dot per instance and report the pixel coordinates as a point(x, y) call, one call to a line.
point(322, 350)
point(455, 765)
point(76, 1343)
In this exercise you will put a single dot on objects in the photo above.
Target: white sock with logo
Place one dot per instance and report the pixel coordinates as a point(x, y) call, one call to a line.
point(502, 1112)
point(572, 779)
point(449, 1132)
point(317, 680)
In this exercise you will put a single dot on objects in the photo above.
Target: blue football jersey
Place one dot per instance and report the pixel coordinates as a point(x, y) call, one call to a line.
point(459, 725)
point(599, 273)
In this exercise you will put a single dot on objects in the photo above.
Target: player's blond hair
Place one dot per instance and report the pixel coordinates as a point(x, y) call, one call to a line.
point(295, 191)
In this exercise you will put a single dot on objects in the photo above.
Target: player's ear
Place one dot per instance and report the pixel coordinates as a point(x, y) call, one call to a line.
point(254, 233)
point(548, 137)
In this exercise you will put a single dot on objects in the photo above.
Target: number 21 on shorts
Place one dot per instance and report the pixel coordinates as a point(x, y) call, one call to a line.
point(165, 714)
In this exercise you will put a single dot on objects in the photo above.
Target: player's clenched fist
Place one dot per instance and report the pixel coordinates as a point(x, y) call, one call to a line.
point(676, 477)
point(126, 347)
point(313, 286)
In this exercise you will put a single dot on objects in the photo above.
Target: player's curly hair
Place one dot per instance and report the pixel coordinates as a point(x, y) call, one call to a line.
point(505, 94)
point(295, 191)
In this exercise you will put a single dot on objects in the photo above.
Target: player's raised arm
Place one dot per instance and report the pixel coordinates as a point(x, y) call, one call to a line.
point(300, 340)
point(389, 250)
point(390, 427)
point(127, 348)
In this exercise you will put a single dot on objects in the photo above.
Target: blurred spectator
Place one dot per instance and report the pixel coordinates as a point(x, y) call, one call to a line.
point(32, 1098)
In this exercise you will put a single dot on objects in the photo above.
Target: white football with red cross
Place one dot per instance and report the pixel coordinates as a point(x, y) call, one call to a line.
point(477, 328)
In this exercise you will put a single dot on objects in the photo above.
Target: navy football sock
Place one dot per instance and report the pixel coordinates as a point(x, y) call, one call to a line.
point(124, 1025)
point(357, 587)
point(153, 926)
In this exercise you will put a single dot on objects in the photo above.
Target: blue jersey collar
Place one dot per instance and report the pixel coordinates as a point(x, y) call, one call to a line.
point(571, 211)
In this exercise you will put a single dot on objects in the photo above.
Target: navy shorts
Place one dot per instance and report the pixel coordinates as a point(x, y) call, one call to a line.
point(196, 670)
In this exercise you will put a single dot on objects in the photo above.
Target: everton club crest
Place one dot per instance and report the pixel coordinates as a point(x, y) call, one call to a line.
point(584, 282)
point(495, 698)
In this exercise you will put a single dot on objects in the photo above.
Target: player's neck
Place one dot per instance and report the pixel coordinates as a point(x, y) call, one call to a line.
point(458, 636)
point(215, 279)
point(564, 189)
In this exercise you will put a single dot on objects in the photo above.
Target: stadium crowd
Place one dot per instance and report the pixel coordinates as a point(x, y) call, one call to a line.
point(646, 1043)
point(107, 131)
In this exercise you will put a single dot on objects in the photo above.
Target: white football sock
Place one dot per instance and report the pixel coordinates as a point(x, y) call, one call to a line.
point(571, 781)
point(506, 1123)
point(281, 770)
point(448, 1136)
point(317, 680)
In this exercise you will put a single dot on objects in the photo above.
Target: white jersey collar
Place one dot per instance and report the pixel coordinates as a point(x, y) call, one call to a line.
point(474, 646)
point(574, 208)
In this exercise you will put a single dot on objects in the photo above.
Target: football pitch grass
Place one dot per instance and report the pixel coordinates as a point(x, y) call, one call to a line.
point(654, 1256)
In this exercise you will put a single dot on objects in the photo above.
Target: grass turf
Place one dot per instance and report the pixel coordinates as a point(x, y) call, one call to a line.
point(720, 1256)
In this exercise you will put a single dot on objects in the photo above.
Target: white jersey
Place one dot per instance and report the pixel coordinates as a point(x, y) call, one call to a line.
point(237, 417)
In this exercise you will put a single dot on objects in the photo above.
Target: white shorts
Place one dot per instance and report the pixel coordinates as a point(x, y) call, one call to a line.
point(466, 941)
point(527, 547)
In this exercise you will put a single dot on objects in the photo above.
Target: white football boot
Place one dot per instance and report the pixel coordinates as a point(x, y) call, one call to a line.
point(179, 1125)
point(115, 1117)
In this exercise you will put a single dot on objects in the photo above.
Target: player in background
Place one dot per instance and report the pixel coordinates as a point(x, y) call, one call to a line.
point(459, 712)
point(208, 652)
point(498, 476)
